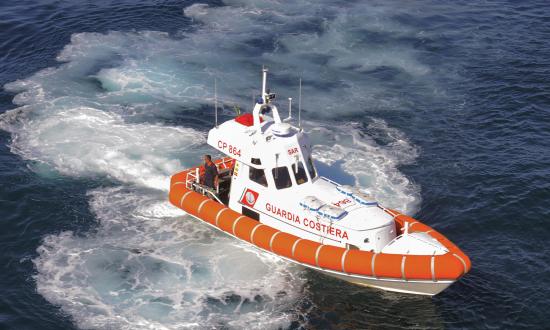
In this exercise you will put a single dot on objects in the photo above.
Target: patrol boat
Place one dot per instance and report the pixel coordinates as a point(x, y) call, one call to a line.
point(270, 195)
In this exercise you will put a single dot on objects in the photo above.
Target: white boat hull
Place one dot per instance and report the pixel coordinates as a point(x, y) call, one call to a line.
point(428, 288)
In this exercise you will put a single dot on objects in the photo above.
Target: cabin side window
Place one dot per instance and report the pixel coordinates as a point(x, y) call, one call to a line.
point(255, 174)
point(299, 173)
point(311, 168)
point(281, 177)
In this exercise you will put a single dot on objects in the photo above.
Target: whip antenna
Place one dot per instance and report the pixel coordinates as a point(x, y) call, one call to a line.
point(300, 105)
point(216, 101)
point(265, 97)
point(289, 108)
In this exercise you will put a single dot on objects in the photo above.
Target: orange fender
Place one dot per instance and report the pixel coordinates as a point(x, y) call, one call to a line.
point(305, 251)
point(330, 257)
point(244, 228)
point(358, 262)
point(282, 244)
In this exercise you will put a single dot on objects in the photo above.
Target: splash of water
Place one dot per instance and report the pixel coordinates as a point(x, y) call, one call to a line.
point(145, 268)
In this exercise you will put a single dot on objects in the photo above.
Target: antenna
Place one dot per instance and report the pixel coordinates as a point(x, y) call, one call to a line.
point(264, 83)
point(289, 107)
point(300, 105)
point(216, 101)
point(276, 173)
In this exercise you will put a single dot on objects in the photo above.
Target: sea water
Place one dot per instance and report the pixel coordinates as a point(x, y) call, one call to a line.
point(438, 109)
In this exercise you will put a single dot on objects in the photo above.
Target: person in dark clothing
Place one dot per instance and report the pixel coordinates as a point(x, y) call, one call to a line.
point(210, 173)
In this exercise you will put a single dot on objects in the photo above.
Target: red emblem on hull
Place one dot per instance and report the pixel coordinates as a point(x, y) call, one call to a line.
point(249, 197)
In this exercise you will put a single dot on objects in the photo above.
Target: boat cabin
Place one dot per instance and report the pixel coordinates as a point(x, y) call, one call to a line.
point(274, 180)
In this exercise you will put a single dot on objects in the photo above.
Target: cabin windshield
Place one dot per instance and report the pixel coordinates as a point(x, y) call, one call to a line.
point(258, 176)
point(281, 177)
point(299, 173)
point(311, 168)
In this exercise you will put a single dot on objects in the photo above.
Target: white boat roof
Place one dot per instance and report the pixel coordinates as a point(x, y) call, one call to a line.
point(246, 142)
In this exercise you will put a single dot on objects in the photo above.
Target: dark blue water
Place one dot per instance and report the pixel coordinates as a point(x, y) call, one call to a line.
point(440, 109)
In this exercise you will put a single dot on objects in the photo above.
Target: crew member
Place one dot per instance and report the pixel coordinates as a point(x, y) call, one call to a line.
point(210, 173)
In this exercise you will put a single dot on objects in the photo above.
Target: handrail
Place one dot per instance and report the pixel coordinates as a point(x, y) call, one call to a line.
point(224, 161)
point(329, 180)
point(192, 178)
point(205, 191)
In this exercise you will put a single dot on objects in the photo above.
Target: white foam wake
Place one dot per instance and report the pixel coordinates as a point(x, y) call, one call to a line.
point(143, 268)
point(82, 141)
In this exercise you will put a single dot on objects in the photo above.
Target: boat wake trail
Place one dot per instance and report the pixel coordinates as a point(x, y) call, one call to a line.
point(145, 268)
point(122, 106)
